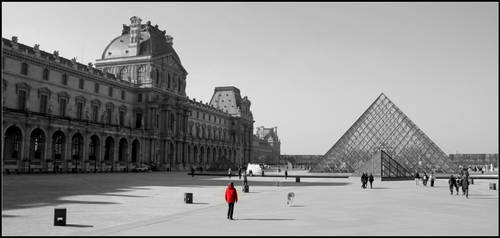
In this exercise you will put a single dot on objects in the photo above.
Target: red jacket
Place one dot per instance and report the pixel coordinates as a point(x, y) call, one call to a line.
point(231, 195)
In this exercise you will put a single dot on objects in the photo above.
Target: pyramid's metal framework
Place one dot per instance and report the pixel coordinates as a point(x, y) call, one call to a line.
point(383, 126)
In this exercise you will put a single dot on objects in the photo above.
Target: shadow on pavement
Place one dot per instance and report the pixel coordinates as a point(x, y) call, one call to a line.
point(297, 206)
point(21, 191)
point(78, 225)
point(9, 216)
point(264, 219)
point(200, 203)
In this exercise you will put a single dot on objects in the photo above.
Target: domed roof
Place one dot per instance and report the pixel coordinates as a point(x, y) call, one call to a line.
point(150, 41)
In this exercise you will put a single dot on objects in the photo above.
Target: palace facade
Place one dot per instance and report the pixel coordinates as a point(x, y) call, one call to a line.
point(129, 108)
point(266, 146)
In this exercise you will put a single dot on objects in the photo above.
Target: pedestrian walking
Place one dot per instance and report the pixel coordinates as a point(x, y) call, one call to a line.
point(239, 173)
point(465, 187)
point(286, 174)
point(417, 177)
point(451, 183)
point(433, 177)
point(229, 172)
point(245, 180)
point(192, 172)
point(364, 178)
point(371, 180)
point(231, 199)
point(457, 182)
point(424, 179)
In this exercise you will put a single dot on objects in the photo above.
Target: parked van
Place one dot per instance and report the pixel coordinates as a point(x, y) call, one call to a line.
point(254, 169)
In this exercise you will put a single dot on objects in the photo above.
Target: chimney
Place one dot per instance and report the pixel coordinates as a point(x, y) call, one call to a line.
point(135, 30)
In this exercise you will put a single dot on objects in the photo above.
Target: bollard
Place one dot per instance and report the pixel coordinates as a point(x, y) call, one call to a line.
point(188, 197)
point(59, 216)
point(297, 179)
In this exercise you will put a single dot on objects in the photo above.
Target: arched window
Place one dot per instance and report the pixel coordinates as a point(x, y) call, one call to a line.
point(76, 147)
point(13, 140)
point(45, 74)
point(141, 75)
point(58, 140)
point(37, 144)
point(123, 73)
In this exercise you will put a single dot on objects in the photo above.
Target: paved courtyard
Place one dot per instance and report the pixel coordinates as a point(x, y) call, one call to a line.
point(152, 204)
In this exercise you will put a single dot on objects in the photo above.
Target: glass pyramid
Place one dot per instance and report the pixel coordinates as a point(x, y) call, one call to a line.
point(384, 127)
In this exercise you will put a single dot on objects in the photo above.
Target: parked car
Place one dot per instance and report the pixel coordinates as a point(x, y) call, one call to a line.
point(142, 168)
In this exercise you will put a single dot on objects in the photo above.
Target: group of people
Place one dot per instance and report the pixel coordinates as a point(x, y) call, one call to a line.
point(365, 178)
point(461, 180)
point(425, 178)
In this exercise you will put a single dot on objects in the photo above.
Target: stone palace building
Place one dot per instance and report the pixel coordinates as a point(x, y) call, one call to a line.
point(129, 108)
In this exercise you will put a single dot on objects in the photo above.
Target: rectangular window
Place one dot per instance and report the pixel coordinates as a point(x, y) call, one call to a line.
point(81, 83)
point(123, 95)
point(139, 97)
point(65, 79)
point(171, 126)
point(96, 88)
point(79, 110)
point(21, 100)
point(110, 91)
point(95, 112)
point(24, 69)
point(43, 103)
point(122, 118)
point(138, 120)
point(108, 115)
point(62, 107)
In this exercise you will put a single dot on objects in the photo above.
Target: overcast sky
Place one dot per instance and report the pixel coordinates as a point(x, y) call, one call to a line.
point(310, 69)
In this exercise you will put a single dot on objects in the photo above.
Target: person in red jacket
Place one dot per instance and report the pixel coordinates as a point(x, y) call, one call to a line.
point(231, 198)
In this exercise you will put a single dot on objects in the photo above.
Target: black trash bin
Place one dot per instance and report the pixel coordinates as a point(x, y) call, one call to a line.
point(188, 197)
point(297, 179)
point(246, 188)
point(59, 216)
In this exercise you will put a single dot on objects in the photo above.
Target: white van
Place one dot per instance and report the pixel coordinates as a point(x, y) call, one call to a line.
point(254, 169)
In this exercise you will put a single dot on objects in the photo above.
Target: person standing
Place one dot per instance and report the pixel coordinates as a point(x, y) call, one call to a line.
point(192, 172)
point(231, 199)
point(371, 180)
point(239, 173)
point(417, 177)
point(229, 172)
point(286, 174)
point(451, 183)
